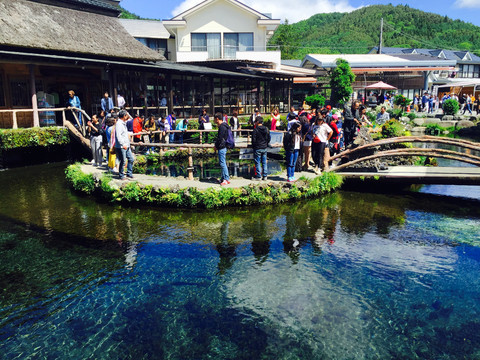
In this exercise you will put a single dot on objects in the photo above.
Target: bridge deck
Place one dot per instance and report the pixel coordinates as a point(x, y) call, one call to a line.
point(421, 175)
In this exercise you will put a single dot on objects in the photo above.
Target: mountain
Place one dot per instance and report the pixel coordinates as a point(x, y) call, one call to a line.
point(359, 31)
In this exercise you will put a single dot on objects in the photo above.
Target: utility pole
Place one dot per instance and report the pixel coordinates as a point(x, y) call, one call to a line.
point(381, 37)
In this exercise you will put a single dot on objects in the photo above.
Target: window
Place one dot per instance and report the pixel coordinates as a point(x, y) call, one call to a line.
point(2, 92)
point(20, 94)
point(233, 42)
point(210, 42)
point(159, 45)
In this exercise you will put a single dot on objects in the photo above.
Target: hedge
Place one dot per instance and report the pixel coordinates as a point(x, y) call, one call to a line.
point(33, 137)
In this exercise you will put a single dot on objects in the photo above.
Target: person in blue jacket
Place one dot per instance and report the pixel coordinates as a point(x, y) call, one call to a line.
point(74, 101)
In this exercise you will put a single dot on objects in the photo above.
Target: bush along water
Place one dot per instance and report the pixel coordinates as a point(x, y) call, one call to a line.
point(191, 197)
point(33, 137)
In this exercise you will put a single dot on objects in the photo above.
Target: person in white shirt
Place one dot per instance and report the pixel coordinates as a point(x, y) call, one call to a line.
point(321, 135)
point(120, 101)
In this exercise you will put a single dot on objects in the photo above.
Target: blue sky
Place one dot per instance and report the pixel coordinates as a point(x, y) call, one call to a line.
point(466, 10)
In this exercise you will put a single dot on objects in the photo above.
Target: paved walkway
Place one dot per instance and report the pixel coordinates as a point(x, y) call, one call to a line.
point(203, 184)
point(422, 175)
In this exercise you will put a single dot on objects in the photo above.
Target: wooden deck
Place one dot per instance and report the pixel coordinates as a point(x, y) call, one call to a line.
point(420, 175)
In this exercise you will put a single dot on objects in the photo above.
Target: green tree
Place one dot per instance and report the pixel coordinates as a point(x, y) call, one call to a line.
point(341, 80)
point(316, 101)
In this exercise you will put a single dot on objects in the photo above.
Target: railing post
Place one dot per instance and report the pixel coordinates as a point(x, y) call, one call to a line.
point(201, 138)
point(248, 137)
point(15, 124)
point(190, 163)
point(64, 117)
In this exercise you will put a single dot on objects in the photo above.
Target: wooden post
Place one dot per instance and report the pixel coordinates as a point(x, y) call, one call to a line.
point(33, 91)
point(170, 93)
point(248, 137)
point(201, 138)
point(15, 124)
point(64, 118)
point(190, 163)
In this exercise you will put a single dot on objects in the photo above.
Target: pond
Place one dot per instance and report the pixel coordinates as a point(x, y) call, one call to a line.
point(348, 276)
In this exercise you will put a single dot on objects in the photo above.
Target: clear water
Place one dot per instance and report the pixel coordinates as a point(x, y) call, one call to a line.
point(348, 276)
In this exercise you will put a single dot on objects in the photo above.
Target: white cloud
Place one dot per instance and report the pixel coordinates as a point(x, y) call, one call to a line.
point(467, 3)
point(288, 9)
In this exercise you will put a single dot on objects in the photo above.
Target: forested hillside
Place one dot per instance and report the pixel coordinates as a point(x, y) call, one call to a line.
point(359, 31)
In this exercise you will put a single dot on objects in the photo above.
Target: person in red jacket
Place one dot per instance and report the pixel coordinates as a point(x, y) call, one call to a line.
point(137, 127)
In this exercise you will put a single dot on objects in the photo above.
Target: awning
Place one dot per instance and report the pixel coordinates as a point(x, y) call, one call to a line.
point(304, 80)
point(381, 86)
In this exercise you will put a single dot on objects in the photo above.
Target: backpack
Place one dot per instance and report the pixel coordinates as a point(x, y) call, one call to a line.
point(230, 140)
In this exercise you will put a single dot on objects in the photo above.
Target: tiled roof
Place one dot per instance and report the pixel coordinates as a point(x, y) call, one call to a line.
point(96, 3)
point(449, 54)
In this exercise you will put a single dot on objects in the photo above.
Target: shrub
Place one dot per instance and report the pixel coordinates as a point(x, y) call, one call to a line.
point(33, 137)
point(392, 128)
point(401, 101)
point(80, 181)
point(315, 101)
point(450, 107)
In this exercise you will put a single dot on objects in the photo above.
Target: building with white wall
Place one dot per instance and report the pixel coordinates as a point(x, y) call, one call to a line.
point(222, 29)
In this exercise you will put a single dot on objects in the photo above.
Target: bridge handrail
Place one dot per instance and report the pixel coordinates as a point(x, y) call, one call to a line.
point(403, 139)
point(438, 153)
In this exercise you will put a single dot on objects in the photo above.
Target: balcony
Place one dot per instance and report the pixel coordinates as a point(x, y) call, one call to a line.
point(263, 54)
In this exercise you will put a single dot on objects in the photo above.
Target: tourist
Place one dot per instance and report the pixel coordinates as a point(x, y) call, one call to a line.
point(137, 127)
point(120, 101)
point(291, 144)
point(260, 141)
point(234, 123)
point(383, 116)
point(202, 119)
point(254, 116)
point(416, 101)
point(95, 132)
point(307, 136)
point(425, 101)
point(106, 103)
point(321, 136)
point(275, 119)
point(74, 102)
point(334, 144)
point(110, 128)
point(221, 147)
point(468, 104)
point(151, 126)
point(351, 121)
point(163, 101)
point(182, 126)
point(171, 120)
point(364, 121)
point(164, 127)
point(122, 146)
point(292, 118)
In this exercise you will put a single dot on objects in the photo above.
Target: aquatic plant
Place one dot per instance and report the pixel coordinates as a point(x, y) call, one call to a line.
point(191, 197)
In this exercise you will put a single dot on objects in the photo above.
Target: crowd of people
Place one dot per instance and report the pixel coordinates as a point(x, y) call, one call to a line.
point(312, 136)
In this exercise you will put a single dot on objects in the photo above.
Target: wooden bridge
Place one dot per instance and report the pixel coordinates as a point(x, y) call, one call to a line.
point(467, 152)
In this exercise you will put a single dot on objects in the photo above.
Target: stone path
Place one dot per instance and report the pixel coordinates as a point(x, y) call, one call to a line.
point(181, 182)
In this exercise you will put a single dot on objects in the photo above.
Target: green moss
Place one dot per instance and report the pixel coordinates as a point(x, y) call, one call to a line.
point(214, 197)
point(33, 137)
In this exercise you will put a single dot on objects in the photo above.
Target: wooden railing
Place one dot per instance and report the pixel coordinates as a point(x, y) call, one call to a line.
point(82, 127)
point(190, 148)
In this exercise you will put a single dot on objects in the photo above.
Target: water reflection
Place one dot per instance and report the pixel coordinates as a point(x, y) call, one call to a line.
point(350, 275)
